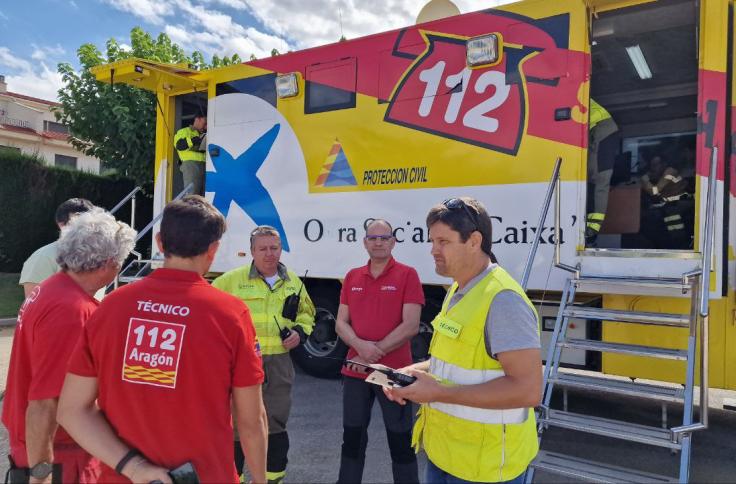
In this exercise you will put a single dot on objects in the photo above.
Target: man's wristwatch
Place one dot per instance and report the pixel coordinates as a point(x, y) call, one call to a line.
point(42, 470)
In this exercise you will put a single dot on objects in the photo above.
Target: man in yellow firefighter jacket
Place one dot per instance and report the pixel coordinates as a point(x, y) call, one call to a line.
point(476, 421)
point(187, 142)
point(267, 286)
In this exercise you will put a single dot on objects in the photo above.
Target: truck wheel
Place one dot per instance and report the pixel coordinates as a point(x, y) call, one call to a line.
point(420, 343)
point(323, 352)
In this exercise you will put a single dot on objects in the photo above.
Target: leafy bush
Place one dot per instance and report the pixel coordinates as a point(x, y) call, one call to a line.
point(30, 193)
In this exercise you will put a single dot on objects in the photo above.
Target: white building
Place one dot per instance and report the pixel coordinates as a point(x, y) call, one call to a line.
point(28, 125)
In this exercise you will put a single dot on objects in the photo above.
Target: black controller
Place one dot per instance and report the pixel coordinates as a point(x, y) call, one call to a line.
point(398, 379)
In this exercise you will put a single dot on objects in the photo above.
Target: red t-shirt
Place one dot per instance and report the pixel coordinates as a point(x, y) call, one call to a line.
point(376, 306)
point(167, 351)
point(49, 324)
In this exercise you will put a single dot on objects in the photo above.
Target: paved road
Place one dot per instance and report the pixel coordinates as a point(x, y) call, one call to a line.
point(315, 429)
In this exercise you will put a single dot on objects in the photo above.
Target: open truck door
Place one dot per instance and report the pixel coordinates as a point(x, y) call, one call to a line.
point(181, 92)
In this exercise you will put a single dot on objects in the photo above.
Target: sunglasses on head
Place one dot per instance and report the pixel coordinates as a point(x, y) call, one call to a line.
point(459, 204)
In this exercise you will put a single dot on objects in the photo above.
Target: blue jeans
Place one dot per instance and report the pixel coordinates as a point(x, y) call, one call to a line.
point(435, 475)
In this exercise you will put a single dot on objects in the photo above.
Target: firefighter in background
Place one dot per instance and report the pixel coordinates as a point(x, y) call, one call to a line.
point(188, 144)
point(283, 315)
point(664, 220)
point(602, 150)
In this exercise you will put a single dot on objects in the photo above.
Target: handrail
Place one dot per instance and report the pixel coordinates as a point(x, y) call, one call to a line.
point(144, 231)
point(147, 228)
point(558, 256)
point(703, 301)
point(710, 206)
point(709, 228)
point(542, 219)
point(125, 199)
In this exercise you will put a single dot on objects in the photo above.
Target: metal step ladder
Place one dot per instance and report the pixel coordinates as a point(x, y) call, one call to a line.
point(693, 285)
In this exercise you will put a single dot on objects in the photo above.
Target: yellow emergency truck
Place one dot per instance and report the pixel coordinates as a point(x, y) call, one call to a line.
point(319, 141)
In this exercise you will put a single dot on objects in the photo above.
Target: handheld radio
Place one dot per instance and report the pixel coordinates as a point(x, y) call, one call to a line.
point(291, 303)
point(283, 332)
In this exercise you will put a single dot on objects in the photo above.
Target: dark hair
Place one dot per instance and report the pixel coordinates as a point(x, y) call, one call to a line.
point(189, 226)
point(460, 221)
point(373, 221)
point(71, 207)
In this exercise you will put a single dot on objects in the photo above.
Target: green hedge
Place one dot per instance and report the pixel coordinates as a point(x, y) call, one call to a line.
point(30, 192)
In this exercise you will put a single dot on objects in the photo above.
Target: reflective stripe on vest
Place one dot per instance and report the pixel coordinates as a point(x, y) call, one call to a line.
point(191, 153)
point(464, 376)
point(470, 443)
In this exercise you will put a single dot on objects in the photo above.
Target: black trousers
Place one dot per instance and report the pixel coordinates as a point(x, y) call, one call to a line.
point(357, 402)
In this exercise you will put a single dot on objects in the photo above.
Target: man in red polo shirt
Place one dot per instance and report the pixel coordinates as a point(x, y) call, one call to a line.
point(380, 306)
point(164, 358)
point(89, 253)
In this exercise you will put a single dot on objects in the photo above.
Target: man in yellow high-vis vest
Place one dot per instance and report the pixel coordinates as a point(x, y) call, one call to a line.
point(188, 141)
point(265, 286)
point(476, 422)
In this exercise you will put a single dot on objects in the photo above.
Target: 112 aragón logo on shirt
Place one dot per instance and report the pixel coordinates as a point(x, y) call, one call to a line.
point(152, 352)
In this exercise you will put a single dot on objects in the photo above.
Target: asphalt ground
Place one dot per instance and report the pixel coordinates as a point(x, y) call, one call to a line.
point(315, 429)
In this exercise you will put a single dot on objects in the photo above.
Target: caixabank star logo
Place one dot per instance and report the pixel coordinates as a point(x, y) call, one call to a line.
point(439, 94)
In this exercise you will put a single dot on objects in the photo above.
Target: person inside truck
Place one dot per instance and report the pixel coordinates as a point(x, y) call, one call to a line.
point(380, 306)
point(484, 375)
point(188, 142)
point(283, 315)
point(667, 206)
point(602, 150)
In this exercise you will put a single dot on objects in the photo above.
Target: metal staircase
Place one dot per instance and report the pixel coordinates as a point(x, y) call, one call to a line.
point(692, 285)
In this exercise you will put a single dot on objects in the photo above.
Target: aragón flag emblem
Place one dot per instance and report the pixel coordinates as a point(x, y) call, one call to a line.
point(336, 171)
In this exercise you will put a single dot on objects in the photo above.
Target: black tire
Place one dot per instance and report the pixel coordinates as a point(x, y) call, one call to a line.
point(323, 352)
point(420, 343)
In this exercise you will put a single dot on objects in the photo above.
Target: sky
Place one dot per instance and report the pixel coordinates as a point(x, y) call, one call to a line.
point(36, 35)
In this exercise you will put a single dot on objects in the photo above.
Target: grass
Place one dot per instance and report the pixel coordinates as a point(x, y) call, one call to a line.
point(11, 295)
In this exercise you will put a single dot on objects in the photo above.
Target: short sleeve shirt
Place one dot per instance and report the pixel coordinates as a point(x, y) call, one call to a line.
point(167, 351)
point(40, 265)
point(49, 325)
point(376, 307)
point(510, 324)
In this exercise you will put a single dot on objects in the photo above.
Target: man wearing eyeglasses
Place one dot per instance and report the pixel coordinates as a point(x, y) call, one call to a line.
point(380, 306)
point(265, 286)
point(484, 375)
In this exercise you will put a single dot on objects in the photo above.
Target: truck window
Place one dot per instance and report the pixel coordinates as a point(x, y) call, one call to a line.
point(263, 87)
point(330, 86)
point(643, 99)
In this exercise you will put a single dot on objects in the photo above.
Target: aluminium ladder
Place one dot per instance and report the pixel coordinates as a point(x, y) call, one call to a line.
point(693, 285)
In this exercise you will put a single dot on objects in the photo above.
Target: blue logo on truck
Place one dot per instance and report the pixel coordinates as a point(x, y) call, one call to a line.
point(235, 180)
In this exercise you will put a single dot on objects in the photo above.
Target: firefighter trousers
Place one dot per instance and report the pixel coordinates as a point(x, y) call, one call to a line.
point(276, 389)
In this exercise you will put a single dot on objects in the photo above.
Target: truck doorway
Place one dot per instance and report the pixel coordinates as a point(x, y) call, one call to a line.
point(643, 107)
point(187, 107)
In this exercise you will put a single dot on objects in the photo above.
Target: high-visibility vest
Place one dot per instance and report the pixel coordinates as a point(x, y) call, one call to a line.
point(191, 153)
point(266, 303)
point(471, 443)
point(597, 114)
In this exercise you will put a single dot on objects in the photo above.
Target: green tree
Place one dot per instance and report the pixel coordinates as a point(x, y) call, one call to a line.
point(116, 123)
